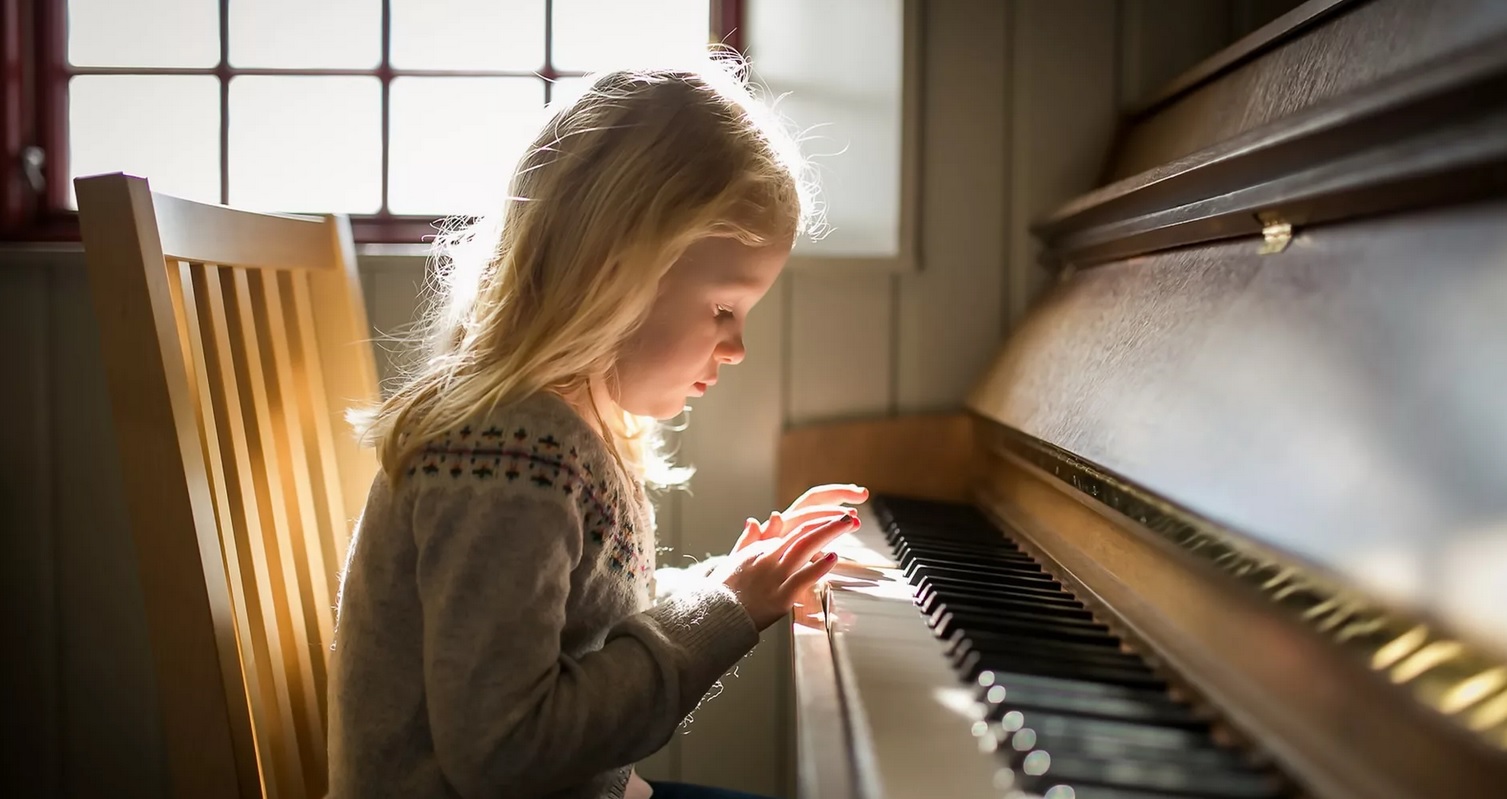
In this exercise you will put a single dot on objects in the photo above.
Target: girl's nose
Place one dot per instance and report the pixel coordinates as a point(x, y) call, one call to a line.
point(731, 351)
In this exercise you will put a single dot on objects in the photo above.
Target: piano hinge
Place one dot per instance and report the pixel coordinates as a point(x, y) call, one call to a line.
point(1276, 233)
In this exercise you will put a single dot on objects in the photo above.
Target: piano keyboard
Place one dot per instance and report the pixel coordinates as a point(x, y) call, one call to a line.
point(1068, 712)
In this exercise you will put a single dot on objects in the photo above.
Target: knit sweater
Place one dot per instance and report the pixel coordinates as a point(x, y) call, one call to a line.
point(497, 632)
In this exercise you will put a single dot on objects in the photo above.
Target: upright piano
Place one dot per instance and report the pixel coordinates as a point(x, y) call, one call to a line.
point(1227, 515)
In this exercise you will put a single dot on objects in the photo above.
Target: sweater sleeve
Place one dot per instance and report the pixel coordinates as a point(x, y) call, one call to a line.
point(669, 580)
point(509, 712)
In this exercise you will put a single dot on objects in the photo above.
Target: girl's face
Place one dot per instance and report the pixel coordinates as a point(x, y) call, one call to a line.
point(696, 324)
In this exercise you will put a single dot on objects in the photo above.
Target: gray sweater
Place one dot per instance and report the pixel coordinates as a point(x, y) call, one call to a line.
point(497, 634)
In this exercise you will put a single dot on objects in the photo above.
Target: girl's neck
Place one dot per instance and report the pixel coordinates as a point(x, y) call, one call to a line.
point(592, 404)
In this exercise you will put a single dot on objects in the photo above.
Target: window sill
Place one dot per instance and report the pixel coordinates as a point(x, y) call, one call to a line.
point(404, 256)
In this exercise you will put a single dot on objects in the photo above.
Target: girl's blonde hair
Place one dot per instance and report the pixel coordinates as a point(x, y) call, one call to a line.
point(541, 296)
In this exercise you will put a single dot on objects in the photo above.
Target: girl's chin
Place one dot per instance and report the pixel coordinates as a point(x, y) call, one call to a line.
point(663, 411)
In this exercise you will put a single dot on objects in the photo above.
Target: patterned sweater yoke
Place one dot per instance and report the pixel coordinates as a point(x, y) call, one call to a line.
point(496, 632)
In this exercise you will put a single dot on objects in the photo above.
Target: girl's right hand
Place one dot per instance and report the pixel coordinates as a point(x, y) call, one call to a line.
point(769, 575)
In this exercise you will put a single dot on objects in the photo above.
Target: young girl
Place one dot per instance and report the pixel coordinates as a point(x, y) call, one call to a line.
point(498, 630)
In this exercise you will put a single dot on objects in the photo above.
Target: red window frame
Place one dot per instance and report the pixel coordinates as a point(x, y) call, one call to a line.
point(34, 119)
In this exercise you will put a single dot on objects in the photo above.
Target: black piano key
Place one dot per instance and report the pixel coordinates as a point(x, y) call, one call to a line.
point(1147, 708)
point(934, 602)
point(1023, 646)
point(965, 611)
point(1148, 776)
point(1007, 627)
point(945, 583)
point(1004, 631)
point(1019, 743)
point(953, 617)
point(1042, 659)
point(1066, 704)
point(920, 566)
point(982, 616)
point(1035, 579)
point(910, 548)
point(989, 679)
point(955, 538)
point(957, 584)
point(1098, 792)
point(1126, 710)
point(907, 550)
point(970, 663)
point(1004, 598)
point(1062, 725)
point(966, 582)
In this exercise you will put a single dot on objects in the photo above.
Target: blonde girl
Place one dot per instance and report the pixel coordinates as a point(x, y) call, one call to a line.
point(499, 629)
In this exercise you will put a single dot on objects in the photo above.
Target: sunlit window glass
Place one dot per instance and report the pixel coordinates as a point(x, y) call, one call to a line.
point(164, 127)
point(454, 141)
point(306, 143)
point(143, 33)
point(468, 34)
point(602, 34)
point(306, 34)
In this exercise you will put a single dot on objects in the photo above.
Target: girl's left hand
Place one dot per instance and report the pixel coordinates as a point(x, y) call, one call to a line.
point(819, 505)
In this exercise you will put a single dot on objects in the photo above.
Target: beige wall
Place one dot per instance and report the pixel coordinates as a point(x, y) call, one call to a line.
point(1019, 104)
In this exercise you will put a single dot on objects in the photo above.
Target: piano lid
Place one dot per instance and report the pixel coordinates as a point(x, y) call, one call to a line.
point(1287, 313)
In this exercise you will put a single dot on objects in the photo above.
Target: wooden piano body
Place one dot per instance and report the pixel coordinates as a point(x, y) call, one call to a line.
point(1258, 426)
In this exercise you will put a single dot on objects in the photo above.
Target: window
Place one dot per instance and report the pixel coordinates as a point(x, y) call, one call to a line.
point(396, 112)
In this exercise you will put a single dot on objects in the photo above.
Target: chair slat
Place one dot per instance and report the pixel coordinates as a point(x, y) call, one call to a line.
point(287, 380)
point(343, 336)
point(328, 379)
point(277, 496)
point(203, 355)
point(324, 467)
point(271, 706)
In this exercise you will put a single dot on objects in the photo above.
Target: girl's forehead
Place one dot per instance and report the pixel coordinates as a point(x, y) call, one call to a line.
point(729, 262)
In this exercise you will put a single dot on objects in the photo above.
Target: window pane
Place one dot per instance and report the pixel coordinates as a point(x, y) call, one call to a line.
point(143, 33)
point(604, 34)
point(306, 144)
point(468, 34)
point(455, 141)
point(567, 90)
point(165, 128)
point(324, 34)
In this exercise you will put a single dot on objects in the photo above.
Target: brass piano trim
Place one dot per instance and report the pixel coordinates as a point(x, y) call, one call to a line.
point(1458, 688)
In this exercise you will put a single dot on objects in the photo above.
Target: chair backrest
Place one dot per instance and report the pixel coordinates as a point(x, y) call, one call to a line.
point(234, 342)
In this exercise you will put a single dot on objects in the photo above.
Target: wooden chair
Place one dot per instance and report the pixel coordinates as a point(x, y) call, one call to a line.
point(234, 342)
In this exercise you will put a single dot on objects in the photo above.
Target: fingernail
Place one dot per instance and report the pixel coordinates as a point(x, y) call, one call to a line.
point(831, 556)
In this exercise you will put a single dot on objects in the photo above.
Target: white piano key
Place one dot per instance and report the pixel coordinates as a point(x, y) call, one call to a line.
point(908, 714)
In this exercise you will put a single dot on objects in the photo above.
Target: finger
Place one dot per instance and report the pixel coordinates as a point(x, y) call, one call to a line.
point(794, 521)
point(832, 494)
point(775, 528)
point(807, 575)
point(750, 534)
point(800, 548)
